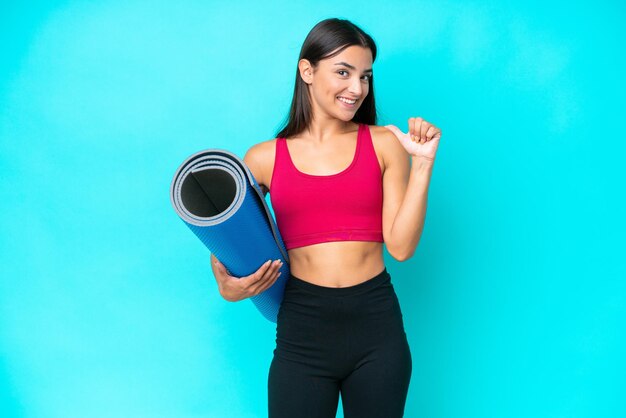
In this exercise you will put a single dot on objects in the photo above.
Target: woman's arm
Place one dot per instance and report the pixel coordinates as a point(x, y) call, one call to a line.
point(408, 222)
point(405, 200)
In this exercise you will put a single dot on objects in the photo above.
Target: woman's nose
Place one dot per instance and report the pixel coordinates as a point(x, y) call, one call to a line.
point(355, 87)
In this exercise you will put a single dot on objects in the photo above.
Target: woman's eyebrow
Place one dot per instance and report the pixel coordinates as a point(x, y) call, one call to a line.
point(352, 67)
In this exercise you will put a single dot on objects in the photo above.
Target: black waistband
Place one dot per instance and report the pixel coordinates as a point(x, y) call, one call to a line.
point(369, 284)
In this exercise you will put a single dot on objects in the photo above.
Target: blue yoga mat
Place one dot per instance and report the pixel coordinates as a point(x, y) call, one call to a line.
point(218, 198)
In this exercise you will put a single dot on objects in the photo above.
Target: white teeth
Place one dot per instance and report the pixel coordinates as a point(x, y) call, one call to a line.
point(343, 99)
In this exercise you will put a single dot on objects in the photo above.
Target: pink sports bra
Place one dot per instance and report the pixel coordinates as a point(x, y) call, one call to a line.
point(346, 206)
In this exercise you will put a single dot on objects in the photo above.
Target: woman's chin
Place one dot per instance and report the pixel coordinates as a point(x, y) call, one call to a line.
point(346, 116)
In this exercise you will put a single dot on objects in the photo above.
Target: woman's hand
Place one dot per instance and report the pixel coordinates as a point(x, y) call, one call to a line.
point(422, 139)
point(234, 289)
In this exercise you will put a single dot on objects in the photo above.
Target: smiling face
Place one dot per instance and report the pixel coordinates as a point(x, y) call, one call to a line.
point(338, 85)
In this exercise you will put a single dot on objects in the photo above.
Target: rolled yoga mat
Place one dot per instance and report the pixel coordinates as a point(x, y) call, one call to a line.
point(218, 198)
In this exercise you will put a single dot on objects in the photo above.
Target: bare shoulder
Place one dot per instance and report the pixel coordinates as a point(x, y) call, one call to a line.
point(260, 159)
point(387, 145)
point(262, 150)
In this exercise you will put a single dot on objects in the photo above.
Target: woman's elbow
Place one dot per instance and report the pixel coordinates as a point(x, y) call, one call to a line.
point(401, 255)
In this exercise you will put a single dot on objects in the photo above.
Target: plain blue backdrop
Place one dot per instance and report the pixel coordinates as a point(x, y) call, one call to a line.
point(514, 303)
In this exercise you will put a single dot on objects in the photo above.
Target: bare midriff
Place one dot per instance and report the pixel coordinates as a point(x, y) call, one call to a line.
point(337, 263)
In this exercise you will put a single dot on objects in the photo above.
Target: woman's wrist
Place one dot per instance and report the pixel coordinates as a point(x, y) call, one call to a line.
point(421, 163)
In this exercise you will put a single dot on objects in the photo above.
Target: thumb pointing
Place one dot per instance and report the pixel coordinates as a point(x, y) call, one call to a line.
point(395, 130)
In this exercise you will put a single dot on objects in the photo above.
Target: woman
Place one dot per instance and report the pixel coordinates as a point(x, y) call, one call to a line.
point(340, 187)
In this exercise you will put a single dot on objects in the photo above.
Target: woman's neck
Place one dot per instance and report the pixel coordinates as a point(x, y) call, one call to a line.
point(324, 130)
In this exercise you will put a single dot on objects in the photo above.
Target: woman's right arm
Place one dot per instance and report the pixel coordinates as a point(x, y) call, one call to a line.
point(234, 289)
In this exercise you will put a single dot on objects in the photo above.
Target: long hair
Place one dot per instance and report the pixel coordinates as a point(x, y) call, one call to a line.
point(327, 39)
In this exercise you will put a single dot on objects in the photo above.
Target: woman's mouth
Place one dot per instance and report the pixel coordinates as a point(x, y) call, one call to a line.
point(349, 103)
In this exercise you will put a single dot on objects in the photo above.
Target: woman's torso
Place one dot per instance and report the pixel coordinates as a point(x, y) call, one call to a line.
point(337, 263)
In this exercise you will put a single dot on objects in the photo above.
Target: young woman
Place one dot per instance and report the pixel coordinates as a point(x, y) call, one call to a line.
point(340, 186)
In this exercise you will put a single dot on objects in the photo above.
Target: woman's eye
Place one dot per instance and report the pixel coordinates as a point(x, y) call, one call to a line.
point(366, 77)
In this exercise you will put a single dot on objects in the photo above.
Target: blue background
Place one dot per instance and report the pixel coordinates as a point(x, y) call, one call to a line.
point(514, 303)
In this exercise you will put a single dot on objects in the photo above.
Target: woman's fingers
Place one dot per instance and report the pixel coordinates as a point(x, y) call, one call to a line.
point(263, 286)
point(268, 280)
point(267, 273)
point(238, 288)
point(430, 132)
point(421, 131)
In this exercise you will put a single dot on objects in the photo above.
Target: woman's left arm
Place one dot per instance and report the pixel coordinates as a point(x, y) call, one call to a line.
point(404, 207)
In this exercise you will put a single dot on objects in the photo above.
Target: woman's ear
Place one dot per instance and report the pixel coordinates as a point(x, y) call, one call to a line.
point(306, 70)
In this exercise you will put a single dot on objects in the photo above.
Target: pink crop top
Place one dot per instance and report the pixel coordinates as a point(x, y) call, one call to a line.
point(346, 206)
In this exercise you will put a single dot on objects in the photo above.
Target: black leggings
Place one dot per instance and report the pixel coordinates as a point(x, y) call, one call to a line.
point(331, 340)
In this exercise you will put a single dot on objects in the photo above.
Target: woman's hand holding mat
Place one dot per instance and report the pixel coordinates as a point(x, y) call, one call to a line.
point(234, 289)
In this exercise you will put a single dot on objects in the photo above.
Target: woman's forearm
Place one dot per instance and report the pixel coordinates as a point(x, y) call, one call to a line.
point(409, 221)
